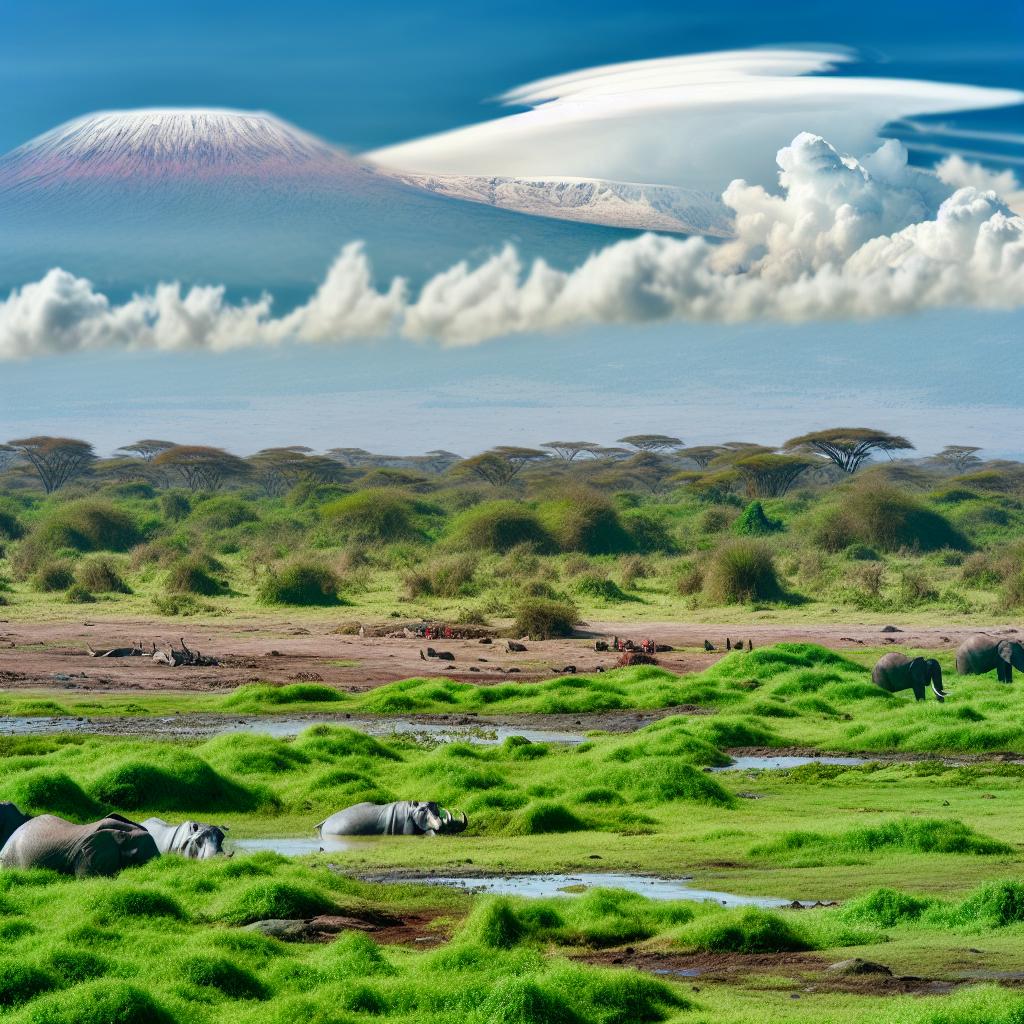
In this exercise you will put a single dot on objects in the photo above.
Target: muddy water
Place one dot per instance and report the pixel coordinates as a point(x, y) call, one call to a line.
point(781, 762)
point(279, 726)
point(544, 886)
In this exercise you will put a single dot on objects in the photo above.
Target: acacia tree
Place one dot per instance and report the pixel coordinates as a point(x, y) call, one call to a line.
point(200, 467)
point(651, 442)
point(848, 447)
point(770, 475)
point(500, 466)
point(438, 460)
point(569, 450)
point(959, 457)
point(701, 454)
point(148, 449)
point(56, 460)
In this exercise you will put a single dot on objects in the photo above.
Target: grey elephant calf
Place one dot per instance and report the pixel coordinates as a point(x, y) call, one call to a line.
point(980, 654)
point(192, 839)
point(100, 848)
point(11, 819)
point(894, 672)
point(403, 818)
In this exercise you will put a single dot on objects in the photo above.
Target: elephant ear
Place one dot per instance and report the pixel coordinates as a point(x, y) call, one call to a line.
point(919, 669)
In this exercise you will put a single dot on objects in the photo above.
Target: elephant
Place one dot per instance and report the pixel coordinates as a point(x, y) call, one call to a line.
point(894, 672)
point(195, 840)
point(11, 819)
point(980, 653)
point(403, 818)
point(100, 848)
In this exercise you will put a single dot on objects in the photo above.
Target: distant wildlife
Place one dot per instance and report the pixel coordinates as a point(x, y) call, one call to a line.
point(980, 654)
point(192, 839)
point(895, 672)
point(100, 848)
point(708, 645)
point(402, 818)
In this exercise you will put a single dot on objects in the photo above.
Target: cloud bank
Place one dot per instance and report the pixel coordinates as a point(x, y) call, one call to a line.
point(845, 238)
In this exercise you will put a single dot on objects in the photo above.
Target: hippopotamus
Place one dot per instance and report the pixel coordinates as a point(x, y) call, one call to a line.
point(192, 839)
point(402, 818)
point(11, 819)
point(99, 848)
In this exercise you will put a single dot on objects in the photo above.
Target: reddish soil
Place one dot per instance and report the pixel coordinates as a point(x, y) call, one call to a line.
point(53, 654)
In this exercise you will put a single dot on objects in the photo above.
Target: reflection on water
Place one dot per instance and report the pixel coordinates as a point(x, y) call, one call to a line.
point(780, 762)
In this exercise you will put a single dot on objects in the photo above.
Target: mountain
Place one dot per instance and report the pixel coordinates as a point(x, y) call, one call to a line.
point(589, 201)
point(129, 198)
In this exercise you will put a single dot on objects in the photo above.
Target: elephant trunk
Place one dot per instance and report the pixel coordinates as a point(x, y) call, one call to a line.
point(936, 680)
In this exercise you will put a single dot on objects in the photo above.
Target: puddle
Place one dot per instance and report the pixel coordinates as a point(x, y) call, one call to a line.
point(545, 886)
point(682, 972)
point(781, 762)
point(280, 727)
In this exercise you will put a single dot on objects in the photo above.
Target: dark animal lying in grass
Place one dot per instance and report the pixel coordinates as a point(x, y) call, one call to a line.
point(100, 848)
point(183, 656)
point(895, 672)
point(980, 654)
point(403, 818)
point(117, 652)
point(192, 839)
point(11, 819)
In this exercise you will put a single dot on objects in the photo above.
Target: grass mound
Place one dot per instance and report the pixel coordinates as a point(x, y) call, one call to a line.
point(21, 982)
point(499, 526)
point(602, 588)
point(100, 576)
point(741, 571)
point(540, 618)
point(97, 1002)
point(219, 973)
point(587, 522)
point(122, 901)
point(912, 835)
point(374, 516)
point(53, 576)
point(257, 696)
point(746, 931)
point(356, 955)
point(268, 900)
point(194, 576)
point(544, 817)
point(993, 905)
point(86, 525)
point(886, 908)
point(523, 1001)
point(224, 512)
point(49, 791)
point(304, 584)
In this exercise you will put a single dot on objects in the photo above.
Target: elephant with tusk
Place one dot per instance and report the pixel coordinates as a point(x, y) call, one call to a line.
point(402, 818)
point(195, 840)
point(980, 654)
point(11, 819)
point(895, 672)
point(100, 848)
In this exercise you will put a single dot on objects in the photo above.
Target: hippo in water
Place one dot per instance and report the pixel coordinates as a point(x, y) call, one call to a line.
point(11, 819)
point(192, 839)
point(100, 848)
point(403, 818)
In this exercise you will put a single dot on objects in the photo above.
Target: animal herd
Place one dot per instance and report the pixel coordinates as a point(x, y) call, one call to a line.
point(107, 846)
point(977, 655)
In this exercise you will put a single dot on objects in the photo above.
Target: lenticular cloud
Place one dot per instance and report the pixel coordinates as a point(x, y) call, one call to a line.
point(844, 238)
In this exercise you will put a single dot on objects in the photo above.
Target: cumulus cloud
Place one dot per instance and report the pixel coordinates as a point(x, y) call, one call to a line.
point(957, 172)
point(844, 238)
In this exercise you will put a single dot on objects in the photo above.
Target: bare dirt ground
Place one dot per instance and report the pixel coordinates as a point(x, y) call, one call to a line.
point(52, 655)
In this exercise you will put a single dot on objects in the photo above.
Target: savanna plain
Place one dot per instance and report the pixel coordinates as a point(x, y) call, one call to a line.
point(878, 876)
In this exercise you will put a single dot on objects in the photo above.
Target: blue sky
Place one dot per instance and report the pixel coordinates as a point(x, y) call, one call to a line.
point(367, 75)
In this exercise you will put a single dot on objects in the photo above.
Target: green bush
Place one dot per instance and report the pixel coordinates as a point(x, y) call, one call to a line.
point(445, 577)
point(886, 908)
point(602, 588)
point(194, 576)
point(307, 584)
point(53, 576)
point(541, 618)
point(77, 594)
point(500, 526)
point(376, 516)
point(543, 817)
point(175, 506)
point(10, 526)
point(747, 931)
point(224, 513)
point(586, 521)
point(100, 575)
point(86, 525)
point(740, 572)
point(754, 522)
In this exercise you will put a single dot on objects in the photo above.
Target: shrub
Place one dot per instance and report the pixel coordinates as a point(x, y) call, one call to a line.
point(77, 594)
point(300, 583)
point(10, 527)
point(500, 526)
point(100, 575)
point(175, 506)
point(748, 931)
point(543, 817)
point(375, 516)
point(689, 579)
point(87, 525)
point(586, 521)
point(224, 513)
point(522, 1001)
point(446, 577)
point(604, 589)
point(633, 569)
point(754, 522)
point(53, 576)
point(193, 575)
point(886, 908)
point(541, 618)
point(741, 571)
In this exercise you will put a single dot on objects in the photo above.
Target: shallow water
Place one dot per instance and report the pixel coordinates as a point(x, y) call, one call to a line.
point(780, 762)
point(300, 847)
point(544, 886)
point(278, 726)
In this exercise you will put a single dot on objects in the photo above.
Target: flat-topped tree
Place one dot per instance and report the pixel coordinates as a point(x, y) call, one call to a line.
point(770, 475)
point(147, 449)
point(200, 467)
point(500, 466)
point(56, 460)
point(651, 442)
point(848, 447)
point(280, 469)
point(701, 454)
point(959, 457)
point(569, 450)
point(438, 460)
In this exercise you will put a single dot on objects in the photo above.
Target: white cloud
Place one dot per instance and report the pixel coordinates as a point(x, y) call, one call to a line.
point(695, 121)
point(844, 239)
point(954, 170)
